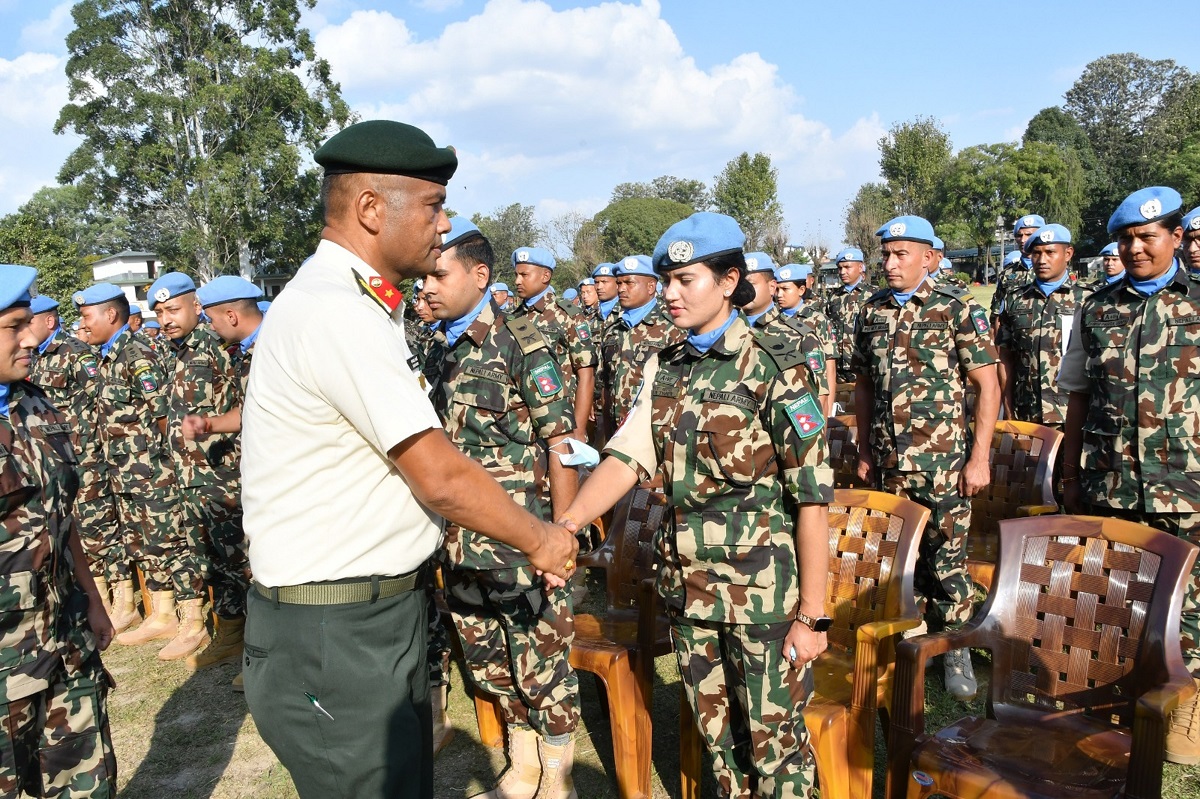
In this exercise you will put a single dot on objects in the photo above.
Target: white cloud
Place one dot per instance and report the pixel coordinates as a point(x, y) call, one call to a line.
point(33, 88)
point(548, 105)
point(49, 34)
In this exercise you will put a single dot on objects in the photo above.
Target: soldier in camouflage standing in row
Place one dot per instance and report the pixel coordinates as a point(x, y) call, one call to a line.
point(843, 306)
point(1033, 330)
point(67, 370)
point(730, 420)
point(504, 402)
point(54, 730)
point(202, 383)
point(764, 316)
point(131, 414)
point(641, 329)
point(562, 324)
point(797, 304)
point(1111, 268)
point(1131, 442)
point(606, 298)
point(1019, 270)
point(1191, 241)
point(916, 347)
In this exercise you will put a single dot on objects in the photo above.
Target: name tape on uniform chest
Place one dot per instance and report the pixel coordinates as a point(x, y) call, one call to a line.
point(729, 398)
point(1108, 319)
point(494, 375)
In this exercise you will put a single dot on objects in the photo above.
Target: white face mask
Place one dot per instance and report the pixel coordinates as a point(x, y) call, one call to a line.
point(577, 454)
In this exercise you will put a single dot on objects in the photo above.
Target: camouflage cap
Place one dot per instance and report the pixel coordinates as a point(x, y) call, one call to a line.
point(386, 147)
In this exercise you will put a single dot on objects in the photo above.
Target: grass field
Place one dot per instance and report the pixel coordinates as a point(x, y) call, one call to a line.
point(190, 737)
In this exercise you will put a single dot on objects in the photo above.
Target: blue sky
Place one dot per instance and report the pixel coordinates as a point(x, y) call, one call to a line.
point(553, 103)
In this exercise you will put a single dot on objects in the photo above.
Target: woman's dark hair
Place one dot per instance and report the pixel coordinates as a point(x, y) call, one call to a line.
point(1172, 221)
point(720, 266)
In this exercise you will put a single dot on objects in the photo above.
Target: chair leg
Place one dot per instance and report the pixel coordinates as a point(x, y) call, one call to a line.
point(490, 720)
point(689, 750)
point(631, 731)
point(147, 605)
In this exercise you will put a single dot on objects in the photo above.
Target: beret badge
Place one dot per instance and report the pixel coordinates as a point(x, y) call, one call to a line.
point(1151, 208)
point(680, 251)
point(162, 295)
point(897, 229)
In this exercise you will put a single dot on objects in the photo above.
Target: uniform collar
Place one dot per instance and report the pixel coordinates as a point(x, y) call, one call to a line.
point(1148, 288)
point(920, 294)
point(453, 329)
point(245, 344)
point(634, 316)
point(855, 287)
point(107, 346)
point(723, 338)
point(534, 302)
point(606, 307)
point(765, 316)
point(363, 276)
point(49, 342)
point(478, 329)
point(1046, 289)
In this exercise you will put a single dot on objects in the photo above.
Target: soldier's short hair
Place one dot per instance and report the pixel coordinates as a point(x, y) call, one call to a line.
point(476, 250)
point(121, 304)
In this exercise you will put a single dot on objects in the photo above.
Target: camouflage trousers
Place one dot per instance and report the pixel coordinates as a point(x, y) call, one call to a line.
point(944, 589)
point(516, 639)
point(1187, 527)
point(212, 521)
point(56, 743)
point(150, 529)
point(748, 703)
point(438, 639)
point(99, 531)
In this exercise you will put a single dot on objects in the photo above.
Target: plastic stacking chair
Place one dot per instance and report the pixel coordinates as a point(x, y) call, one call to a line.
point(1023, 457)
point(843, 452)
point(843, 394)
point(873, 543)
point(1083, 627)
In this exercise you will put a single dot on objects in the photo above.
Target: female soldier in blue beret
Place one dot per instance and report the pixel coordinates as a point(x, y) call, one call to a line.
point(730, 418)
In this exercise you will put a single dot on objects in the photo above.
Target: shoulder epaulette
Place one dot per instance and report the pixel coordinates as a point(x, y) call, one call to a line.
point(952, 291)
point(528, 337)
point(571, 310)
point(783, 351)
point(879, 295)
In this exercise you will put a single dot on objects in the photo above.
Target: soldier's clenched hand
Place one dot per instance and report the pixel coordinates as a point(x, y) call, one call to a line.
point(554, 557)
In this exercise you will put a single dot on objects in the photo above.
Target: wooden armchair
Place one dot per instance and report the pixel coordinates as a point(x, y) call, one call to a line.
point(843, 394)
point(1083, 626)
point(1023, 457)
point(843, 451)
point(873, 543)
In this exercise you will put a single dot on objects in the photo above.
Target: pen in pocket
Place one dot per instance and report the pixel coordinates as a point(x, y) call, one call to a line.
point(317, 705)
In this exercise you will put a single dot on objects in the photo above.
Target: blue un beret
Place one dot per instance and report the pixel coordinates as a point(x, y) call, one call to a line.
point(634, 265)
point(937, 243)
point(150, 323)
point(570, 294)
point(603, 270)
point(1048, 234)
point(1145, 206)
point(461, 229)
point(1029, 220)
point(499, 287)
point(1109, 249)
point(701, 236)
point(96, 294)
point(135, 309)
point(538, 256)
point(587, 281)
point(227, 288)
point(759, 262)
point(1191, 221)
point(15, 281)
point(263, 305)
point(946, 265)
point(42, 303)
point(1012, 257)
point(172, 284)
point(792, 273)
point(849, 254)
point(907, 228)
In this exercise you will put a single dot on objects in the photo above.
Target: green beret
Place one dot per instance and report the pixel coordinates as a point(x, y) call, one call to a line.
point(387, 147)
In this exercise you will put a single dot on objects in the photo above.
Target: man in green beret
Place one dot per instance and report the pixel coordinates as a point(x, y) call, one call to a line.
point(347, 480)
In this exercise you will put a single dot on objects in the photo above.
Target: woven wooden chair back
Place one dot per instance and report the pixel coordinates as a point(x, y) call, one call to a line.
point(843, 451)
point(873, 543)
point(1080, 607)
point(843, 394)
point(635, 523)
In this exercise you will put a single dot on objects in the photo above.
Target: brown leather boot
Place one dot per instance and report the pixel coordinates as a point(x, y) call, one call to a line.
point(192, 634)
point(105, 599)
point(557, 762)
point(1183, 733)
point(225, 647)
point(520, 779)
point(124, 613)
point(161, 623)
point(443, 730)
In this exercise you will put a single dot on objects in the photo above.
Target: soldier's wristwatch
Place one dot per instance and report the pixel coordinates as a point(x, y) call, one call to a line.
point(818, 625)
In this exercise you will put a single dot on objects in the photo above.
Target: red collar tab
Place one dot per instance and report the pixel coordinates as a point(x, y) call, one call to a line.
point(380, 290)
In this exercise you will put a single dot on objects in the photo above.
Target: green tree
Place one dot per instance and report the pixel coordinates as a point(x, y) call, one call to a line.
point(912, 157)
point(69, 211)
point(27, 240)
point(508, 228)
point(1051, 182)
point(665, 187)
point(634, 226)
point(979, 185)
point(748, 190)
point(196, 116)
point(869, 209)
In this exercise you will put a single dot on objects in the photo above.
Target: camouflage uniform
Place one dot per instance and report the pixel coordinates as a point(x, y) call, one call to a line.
point(774, 323)
point(842, 310)
point(737, 435)
point(54, 730)
point(625, 352)
point(1141, 434)
point(568, 332)
point(204, 383)
point(131, 403)
point(815, 319)
point(1030, 326)
point(68, 372)
point(917, 357)
point(419, 336)
point(500, 394)
point(1007, 281)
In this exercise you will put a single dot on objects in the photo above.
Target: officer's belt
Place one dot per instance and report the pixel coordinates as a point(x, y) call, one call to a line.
point(367, 589)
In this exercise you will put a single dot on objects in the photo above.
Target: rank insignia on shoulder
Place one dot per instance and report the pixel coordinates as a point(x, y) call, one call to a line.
point(805, 416)
point(585, 332)
point(547, 379)
point(979, 317)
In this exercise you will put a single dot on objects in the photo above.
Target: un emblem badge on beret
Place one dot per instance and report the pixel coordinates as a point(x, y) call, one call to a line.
point(78, 298)
point(1195, 223)
point(1047, 235)
point(162, 295)
point(522, 256)
point(631, 263)
point(897, 229)
point(1151, 208)
point(1027, 222)
point(786, 274)
point(752, 263)
point(680, 251)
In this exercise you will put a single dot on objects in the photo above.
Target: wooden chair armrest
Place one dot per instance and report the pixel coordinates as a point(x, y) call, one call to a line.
point(1159, 701)
point(647, 635)
point(874, 632)
point(1037, 510)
